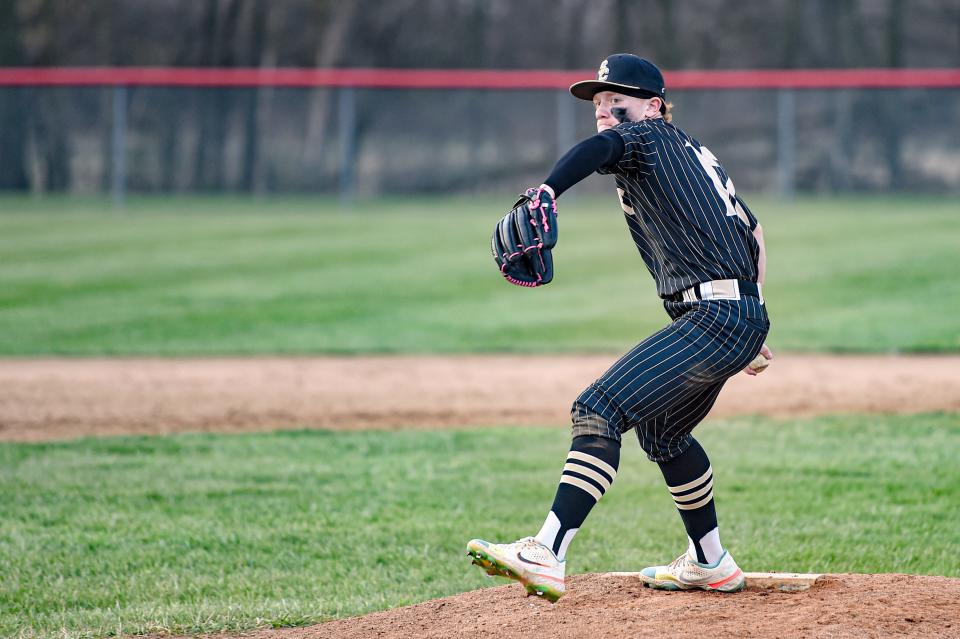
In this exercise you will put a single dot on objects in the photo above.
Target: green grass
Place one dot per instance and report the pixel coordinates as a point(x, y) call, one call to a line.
point(206, 533)
point(233, 276)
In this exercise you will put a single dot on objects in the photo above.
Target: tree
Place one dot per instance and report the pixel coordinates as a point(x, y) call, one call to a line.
point(13, 112)
point(891, 128)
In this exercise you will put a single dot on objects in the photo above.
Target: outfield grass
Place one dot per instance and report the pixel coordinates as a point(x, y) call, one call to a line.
point(197, 276)
point(203, 533)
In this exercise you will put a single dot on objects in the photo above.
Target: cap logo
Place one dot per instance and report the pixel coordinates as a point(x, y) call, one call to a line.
point(603, 72)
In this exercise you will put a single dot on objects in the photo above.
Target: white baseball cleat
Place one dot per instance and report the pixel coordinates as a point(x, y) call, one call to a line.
point(527, 561)
point(686, 574)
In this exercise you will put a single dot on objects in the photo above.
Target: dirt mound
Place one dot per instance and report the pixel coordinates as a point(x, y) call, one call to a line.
point(51, 398)
point(599, 606)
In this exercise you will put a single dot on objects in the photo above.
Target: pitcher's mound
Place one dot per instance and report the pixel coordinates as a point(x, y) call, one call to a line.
point(600, 605)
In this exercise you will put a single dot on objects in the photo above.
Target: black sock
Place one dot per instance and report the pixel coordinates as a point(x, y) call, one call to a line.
point(590, 469)
point(690, 480)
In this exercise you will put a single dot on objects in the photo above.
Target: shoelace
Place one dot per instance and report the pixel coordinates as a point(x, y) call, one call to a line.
point(680, 562)
point(527, 542)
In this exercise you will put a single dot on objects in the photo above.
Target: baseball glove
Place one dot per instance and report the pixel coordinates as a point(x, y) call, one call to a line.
point(524, 237)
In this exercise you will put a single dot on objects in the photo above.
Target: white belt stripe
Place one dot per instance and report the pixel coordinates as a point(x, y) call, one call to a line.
point(692, 484)
point(694, 495)
point(582, 485)
point(595, 461)
point(587, 472)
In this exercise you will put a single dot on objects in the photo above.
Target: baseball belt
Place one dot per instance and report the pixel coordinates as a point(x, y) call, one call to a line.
point(718, 290)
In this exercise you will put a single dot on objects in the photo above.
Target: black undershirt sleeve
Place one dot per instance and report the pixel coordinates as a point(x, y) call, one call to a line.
point(602, 150)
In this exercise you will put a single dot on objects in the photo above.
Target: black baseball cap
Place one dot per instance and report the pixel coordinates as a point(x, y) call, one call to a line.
point(624, 73)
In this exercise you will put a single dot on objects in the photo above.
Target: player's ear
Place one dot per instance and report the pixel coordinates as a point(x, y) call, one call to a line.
point(653, 106)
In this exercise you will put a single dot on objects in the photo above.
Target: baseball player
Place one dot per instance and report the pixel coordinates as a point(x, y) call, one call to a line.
point(705, 250)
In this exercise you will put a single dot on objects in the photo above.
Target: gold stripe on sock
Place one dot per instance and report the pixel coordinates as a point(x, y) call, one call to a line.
point(587, 472)
point(693, 484)
point(696, 504)
point(596, 461)
point(694, 495)
point(582, 485)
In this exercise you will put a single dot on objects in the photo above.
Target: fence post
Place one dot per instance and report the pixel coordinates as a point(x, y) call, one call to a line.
point(118, 154)
point(347, 106)
point(786, 143)
point(566, 124)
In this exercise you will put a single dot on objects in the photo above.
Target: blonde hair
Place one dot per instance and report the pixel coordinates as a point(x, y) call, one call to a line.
point(667, 108)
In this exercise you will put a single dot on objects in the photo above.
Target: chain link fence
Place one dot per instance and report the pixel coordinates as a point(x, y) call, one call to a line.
point(359, 142)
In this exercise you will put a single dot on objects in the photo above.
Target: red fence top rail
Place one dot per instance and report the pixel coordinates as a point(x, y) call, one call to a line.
point(466, 78)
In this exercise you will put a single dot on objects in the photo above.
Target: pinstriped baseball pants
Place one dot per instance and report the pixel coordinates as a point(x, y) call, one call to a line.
point(668, 383)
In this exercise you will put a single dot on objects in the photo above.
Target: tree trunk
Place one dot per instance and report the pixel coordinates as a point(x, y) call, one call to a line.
point(254, 57)
point(839, 18)
point(215, 106)
point(793, 33)
point(893, 110)
point(52, 131)
point(621, 26)
point(329, 52)
point(668, 48)
point(13, 112)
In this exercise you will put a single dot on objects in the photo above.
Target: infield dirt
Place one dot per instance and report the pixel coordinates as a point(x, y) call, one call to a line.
point(49, 398)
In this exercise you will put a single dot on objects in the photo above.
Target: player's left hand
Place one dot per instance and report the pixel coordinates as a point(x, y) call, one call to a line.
point(523, 238)
point(760, 362)
point(542, 209)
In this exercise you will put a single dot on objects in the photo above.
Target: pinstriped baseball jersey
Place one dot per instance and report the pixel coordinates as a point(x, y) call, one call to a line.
point(682, 209)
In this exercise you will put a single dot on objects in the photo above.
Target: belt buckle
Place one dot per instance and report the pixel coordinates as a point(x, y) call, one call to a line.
point(714, 290)
point(725, 290)
point(736, 289)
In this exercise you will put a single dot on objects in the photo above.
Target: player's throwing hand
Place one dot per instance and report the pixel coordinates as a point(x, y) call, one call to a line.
point(760, 362)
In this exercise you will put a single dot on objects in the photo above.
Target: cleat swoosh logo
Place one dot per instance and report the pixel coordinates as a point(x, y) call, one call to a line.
point(717, 584)
point(527, 561)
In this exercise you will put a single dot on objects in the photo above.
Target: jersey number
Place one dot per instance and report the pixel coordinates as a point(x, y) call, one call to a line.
point(726, 190)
